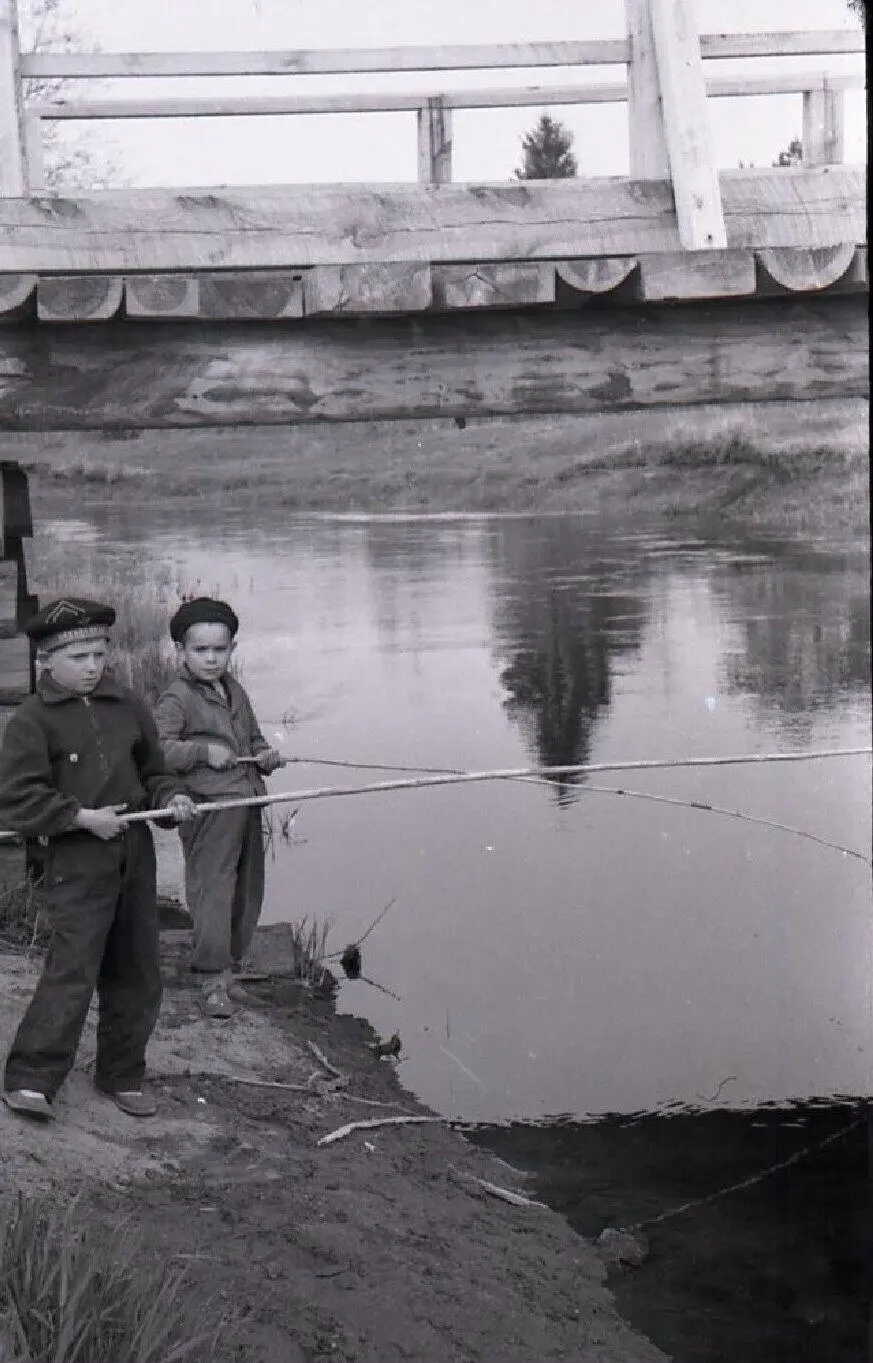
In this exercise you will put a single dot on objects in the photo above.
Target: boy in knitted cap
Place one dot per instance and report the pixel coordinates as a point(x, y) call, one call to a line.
point(211, 738)
point(76, 757)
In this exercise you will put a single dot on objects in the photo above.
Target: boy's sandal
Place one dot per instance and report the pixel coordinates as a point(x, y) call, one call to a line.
point(216, 1003)
point(29, 1103)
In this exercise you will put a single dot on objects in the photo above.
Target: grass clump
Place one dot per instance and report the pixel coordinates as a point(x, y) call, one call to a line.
point(71, 1294)
point(309, 947)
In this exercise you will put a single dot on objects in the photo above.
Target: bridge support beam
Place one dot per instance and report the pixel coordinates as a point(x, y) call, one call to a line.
point(686, 123)
point(435, 143)
point(649, 159)
point(822, 126)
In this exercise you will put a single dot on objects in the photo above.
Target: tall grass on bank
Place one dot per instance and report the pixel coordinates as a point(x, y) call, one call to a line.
point(69, 1294)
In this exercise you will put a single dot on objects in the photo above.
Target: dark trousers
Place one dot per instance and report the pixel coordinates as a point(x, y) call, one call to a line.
point(224, 884)
point(102, 914)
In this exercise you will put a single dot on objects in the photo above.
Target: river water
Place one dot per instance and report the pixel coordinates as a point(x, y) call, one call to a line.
point(558, 950)
point(663, 1013)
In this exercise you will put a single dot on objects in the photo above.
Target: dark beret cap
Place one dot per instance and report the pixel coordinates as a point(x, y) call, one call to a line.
point(202, 610)
point(68, 619)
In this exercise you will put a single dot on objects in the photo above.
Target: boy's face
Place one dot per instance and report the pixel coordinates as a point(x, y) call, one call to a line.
point(206, 651)
point(78, 667)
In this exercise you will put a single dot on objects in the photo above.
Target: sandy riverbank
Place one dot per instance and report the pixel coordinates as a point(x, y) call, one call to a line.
point(379, 1247)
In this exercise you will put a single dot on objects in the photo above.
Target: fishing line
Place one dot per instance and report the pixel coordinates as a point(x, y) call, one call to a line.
point(610, 790)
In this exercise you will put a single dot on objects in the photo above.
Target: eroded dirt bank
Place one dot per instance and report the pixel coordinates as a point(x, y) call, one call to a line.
point(376, 1248)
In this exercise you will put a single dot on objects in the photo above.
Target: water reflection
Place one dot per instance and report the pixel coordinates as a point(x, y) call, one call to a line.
point(566, 608)
point(804, 631)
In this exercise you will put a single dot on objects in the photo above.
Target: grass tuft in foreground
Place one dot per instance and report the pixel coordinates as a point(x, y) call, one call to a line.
point(71, 1295)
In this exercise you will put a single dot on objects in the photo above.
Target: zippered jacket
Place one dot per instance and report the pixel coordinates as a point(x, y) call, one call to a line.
point(192, 714)
point(63, 752)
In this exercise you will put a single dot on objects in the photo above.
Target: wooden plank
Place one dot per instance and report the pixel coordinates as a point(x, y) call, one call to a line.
point(141, 374)
point(701, 274)
point(823, 126)
point(12, 179)
point(256, 106)
point(361, 289)
point(243, 296)
point(511, 285)
point(78, 298)
point(809, 43)
point(8, 597)
point(16, 292)
point(34, 153)
point(336, 61)
point(435, 142)
point(87, 65)
point(690, 147)
point(802, 271)
point(15, 675)
point(134, 231)
point(647, 137)
point(16, 522)
point(162, 295)
point(232, 295)
point(599, 275)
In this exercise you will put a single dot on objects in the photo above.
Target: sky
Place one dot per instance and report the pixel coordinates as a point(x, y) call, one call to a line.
point(382, 147)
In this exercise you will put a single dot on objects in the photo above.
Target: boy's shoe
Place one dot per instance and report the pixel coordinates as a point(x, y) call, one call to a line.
point(135, 1103)
point(215, 1002)
point(29, 1103)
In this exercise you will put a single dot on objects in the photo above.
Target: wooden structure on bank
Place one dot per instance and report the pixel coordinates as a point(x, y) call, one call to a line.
point(16, 607)
point(675, 229)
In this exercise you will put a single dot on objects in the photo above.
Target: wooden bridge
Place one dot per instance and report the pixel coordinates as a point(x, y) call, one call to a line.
point(479, 298)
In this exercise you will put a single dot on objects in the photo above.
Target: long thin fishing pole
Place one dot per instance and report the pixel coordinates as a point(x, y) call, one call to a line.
point(504, 774)
point(611, 790)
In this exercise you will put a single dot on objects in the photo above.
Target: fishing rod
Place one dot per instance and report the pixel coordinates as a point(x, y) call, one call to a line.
point(454, 778)
point(502, 774)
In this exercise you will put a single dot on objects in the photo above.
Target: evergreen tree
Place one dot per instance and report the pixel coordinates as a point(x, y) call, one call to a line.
point(547, 154)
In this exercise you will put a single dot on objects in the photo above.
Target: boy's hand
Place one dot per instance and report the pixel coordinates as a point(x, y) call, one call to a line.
point(182, 808)
point(218, 757)
point(270, 760)
point(105, 823)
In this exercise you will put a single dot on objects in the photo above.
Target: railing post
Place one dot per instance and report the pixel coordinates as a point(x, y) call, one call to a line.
point(686, 122)
point(823, 125)
point(648, 142)
point(435, 143)
point(34, 157)
point(12, 177)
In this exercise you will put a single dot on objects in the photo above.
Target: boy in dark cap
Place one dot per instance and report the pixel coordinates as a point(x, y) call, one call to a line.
point(211, 738)
point(76, 756)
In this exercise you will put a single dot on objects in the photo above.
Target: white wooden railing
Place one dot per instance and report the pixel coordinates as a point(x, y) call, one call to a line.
point(665, 90)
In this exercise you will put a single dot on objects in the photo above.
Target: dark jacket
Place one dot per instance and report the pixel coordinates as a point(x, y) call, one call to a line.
point(192, 714)
point(63, 752)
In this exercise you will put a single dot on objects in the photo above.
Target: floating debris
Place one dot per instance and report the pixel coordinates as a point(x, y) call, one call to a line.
point(351, 961)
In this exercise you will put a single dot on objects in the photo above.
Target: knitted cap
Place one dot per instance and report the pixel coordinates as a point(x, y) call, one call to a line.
point(202, 610)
